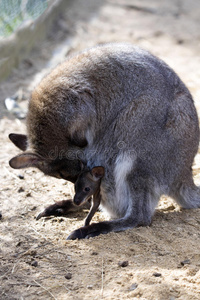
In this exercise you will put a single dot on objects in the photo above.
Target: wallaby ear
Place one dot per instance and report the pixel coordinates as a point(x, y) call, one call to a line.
point(82, 165)
point(20, 140)
point(97, 173)
point(25, 160)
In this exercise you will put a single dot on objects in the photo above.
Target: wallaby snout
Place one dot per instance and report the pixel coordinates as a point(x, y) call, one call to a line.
point(78, 201)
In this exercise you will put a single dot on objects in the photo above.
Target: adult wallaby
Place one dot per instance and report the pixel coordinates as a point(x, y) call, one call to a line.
point(86, 186)
point(119, 107)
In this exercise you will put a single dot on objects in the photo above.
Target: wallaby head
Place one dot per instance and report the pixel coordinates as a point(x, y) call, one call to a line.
point(58, 118)
point(87, 184)
point(64, 168)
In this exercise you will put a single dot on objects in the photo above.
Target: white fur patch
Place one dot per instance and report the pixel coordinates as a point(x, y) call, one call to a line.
point(123, 166)
point(89, 137)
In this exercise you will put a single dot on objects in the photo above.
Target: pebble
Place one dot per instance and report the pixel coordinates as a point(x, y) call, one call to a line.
point(133, 287)
point(33, 208)
point(21, 176)
point(185, 262)
point(0, 215)
point(68, 276)
point(18, 243)
point(20, 190)
point(34, 263)
point(123, 264)
point(90, 286)
point(157, 274)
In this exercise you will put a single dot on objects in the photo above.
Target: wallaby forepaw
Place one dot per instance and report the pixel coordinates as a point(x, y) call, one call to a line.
point(49, 211)
point(60, 208)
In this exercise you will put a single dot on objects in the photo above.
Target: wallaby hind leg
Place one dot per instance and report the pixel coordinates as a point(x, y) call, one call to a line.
point(141, 208)
point(188, 194)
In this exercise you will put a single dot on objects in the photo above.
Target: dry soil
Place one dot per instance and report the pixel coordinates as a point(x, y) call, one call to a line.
point(157, 262)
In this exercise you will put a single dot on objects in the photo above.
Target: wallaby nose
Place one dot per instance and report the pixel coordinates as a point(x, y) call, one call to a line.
point(77, 201)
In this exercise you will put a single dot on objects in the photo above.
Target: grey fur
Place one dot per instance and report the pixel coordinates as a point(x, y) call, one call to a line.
point(122, 108)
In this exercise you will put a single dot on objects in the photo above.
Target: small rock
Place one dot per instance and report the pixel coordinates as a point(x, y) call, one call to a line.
point(157, 274)
point(20, 190)
point(68, 276)
point(21, 176)
point(0, 215)
point(33, 208)
point(133, 287)
point(94, 253)
point(34, 263)
point(90, 286)
point(185, 262)
point(123, 264)
point(18, 243)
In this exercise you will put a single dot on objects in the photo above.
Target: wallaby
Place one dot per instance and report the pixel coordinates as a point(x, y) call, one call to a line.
point(120, 107)
point(87, 185)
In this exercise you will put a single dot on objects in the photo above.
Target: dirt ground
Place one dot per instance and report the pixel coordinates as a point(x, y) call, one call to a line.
point(157, 262)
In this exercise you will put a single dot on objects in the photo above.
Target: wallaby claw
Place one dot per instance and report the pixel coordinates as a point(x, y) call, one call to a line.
point(85, 232)
point(40, 215)
point(49, 212)
point(81, 233)
point(60, 208)
point(76, 234)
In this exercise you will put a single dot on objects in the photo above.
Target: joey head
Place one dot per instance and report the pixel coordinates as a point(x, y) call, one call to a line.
point(86, 186)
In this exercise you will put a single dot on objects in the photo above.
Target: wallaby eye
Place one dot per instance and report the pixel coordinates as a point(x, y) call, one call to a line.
point(87, 189)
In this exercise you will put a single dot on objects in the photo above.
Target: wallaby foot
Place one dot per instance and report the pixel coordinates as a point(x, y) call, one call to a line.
point(61, 208)
point(92, 230)
point(104, 227)
point(139, 213)
point(188, 196)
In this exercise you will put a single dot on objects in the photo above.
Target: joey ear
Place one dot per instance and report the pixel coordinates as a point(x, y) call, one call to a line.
point(82, 165)
point(25, 160)
point(97, 173)
point(20, 140)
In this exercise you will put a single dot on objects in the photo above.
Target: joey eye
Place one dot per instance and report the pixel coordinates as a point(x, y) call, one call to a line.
point(87, 189)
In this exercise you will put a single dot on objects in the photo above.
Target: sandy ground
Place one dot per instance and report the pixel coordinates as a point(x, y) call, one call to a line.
point(157, 262)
